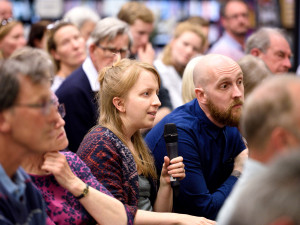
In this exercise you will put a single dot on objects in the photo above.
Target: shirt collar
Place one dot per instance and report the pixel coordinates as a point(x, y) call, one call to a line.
point(91, 73)
point(208, 125)
point(16, 188)
point(232, 42)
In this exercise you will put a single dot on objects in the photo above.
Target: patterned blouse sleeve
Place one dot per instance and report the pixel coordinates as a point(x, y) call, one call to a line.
point(82, 171)
point(101, 156)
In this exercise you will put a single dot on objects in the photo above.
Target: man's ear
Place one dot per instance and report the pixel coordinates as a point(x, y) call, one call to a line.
point(92, 49)
point(4, 122)
point(255, 52)
point(201, 96)
point(55, 55)
point(119, 104)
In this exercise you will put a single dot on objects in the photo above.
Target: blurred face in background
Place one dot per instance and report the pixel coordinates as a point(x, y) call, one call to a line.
point(13, 40)
point(140, 32)
point(186, 46)
point(70, 46)
point(278, 56)
point(5, 10)
point(106, 52)
point(236, 20)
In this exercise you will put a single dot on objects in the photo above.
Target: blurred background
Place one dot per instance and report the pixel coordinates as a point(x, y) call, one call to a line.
point(276, 13)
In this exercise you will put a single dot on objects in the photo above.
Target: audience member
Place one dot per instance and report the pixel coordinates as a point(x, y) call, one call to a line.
point(271, 45)
point(67, 48)
point(209, 142)
point(235, 21)
point(37, 34)
point(254, 71)
point(270, 123)
point(11, 37)
point(186, 43)
point(198, 20)
point(84, 18)
point(109, 39)
point(140, 20)
point(6, 11)
point(188, 86)
point(272, 198)
point(62, 179)
point(27, 114)
point(115, 150)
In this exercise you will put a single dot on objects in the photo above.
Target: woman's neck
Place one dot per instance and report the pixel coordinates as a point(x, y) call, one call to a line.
point(179, 69)
point(65, 70)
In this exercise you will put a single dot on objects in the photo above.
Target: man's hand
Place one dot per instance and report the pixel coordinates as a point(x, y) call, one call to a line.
point(146, 54)
point(240, 160)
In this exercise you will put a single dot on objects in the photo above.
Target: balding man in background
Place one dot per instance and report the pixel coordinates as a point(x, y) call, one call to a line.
point(271, 45)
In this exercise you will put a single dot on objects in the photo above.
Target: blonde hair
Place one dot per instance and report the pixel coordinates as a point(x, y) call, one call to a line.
point(188, 86)
point(179, 30)
point(116, 81)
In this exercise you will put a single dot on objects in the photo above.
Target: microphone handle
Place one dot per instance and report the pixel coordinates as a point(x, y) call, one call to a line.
point(172, 150)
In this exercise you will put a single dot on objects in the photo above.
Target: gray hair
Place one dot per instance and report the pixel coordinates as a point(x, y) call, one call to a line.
point(271, 195)
point(254, 70)
point(269, 106)
point(30, 62)
point(261, 38)
point(108, 28)
point(80, 14)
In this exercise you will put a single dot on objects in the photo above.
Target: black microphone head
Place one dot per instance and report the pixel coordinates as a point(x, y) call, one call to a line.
point(170, 133)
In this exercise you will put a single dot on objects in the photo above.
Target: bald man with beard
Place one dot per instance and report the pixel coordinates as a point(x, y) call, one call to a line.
point(208, 140)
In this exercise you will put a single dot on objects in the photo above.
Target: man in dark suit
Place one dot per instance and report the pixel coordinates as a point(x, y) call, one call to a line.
point(109, 40)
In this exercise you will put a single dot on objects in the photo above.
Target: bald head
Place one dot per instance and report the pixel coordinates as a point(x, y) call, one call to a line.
point(210, 64)
point(274, 103)
point(5, 9)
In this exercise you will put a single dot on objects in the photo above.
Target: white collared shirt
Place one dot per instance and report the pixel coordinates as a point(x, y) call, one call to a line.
point(91, 73)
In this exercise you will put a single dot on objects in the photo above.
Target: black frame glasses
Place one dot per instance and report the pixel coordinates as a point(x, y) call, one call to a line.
point(114, 51)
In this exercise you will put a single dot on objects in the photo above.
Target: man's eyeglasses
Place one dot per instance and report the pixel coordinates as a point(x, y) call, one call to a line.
point(113, 51)
point(6, 21)
point(46, 107)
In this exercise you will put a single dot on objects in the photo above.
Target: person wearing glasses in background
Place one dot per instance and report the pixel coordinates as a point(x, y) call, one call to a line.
point(109, 40)
point(11, 37)
point(67, 49)
point(235, 21)
point(27, 115)
point(71, 193)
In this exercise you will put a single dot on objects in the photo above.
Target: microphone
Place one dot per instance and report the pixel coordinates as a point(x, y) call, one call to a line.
point(171, 138)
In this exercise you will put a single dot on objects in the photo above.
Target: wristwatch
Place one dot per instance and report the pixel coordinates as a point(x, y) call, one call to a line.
point(236, 173)
point(84, 192)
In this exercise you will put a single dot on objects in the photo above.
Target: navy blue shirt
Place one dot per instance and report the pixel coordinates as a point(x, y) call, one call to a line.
point(208, 153)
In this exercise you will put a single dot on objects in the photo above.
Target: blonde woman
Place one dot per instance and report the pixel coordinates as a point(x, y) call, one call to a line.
point(11, 37)
point(115, 150)
point(187, 42)
point(188, 86)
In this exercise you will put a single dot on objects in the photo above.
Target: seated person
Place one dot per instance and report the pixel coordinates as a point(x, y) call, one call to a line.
point(115, 150)
point(187, 42)
point(208, 139)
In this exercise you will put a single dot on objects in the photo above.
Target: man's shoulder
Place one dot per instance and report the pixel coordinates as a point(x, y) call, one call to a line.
point(183, 117)
point(76, 79)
